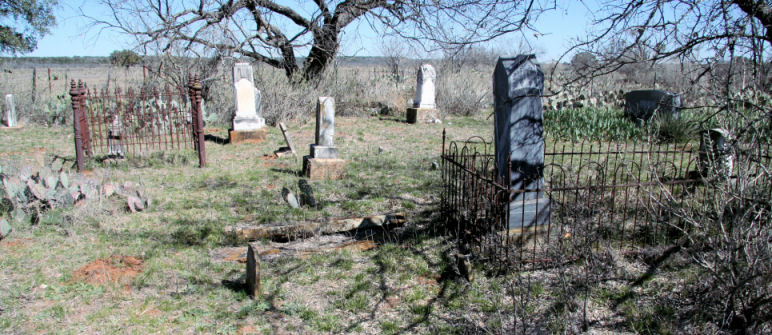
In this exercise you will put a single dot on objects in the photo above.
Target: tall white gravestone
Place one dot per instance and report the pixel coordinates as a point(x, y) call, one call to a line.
point(324, 143)
point(248, 122)
point(518, 84)
point(323, 162)
point(10, 111)
point(425, 87)
point(424, 105)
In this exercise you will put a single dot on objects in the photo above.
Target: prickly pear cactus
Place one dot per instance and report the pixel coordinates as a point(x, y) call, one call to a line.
point(5, 228)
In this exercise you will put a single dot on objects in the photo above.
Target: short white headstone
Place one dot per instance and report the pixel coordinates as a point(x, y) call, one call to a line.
point(425, 87)
point(10, 111)
point(247, 100)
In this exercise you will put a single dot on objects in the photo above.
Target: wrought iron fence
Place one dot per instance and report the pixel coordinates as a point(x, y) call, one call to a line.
point(136, 122)
point(596, 194)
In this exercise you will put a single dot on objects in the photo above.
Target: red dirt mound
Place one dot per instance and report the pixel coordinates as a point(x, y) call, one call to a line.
point(116, 269)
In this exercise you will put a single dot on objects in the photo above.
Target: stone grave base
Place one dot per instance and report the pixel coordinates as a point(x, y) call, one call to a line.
point(526, 214)
point(247, 136)
point(323, 168)
point(421, 115)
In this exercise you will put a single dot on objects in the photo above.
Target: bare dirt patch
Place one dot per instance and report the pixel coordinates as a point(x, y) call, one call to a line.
point(115, 269)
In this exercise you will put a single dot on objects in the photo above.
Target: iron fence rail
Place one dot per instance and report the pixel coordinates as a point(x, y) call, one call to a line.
point(137, 122)
point(600, 195)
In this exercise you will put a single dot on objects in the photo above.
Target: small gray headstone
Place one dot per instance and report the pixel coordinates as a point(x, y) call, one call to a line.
point(517, 87)
point(253, 272)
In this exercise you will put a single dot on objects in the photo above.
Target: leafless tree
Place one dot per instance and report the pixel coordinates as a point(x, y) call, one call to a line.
point(274, 33)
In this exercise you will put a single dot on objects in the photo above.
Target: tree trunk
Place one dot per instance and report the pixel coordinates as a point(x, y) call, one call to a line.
point(322, 53)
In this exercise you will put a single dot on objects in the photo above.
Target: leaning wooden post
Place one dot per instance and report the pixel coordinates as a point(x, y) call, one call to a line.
point(198, 119)
point(76, 106)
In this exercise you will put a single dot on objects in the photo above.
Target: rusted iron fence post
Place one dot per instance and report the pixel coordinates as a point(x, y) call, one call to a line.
point(75, 96)
point(198, 119)
point(84, 128)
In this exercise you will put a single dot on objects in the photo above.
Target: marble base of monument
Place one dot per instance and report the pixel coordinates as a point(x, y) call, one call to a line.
point(247, 136)
point(422, 115)
point(528, 214)
point(323, 168)
point(322, 151)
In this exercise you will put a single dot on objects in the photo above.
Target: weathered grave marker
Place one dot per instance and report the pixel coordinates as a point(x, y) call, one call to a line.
point(323, 163)
point(253, 272)
point(424, 107)
point(10, 111)
point(518, 84)
point(248, 123)
point(114, 138)
point(287, 139)
point(716, 155)
point(642, 105)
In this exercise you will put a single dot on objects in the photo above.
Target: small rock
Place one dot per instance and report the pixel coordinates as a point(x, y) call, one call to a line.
point(64, 198)
point(380, 150)
point(290, 198)
point(435, 165)
point(89, 191)
point(134, 204)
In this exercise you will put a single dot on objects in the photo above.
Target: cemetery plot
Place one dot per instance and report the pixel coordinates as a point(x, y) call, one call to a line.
point(136, 122)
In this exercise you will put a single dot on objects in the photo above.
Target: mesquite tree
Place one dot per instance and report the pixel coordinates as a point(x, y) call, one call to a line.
point(278, 32)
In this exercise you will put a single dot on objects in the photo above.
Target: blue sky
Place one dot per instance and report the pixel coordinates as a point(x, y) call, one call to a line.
point(73, 37)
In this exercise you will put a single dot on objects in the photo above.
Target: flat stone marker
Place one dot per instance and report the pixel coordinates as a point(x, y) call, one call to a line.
point(518, 84)
point(248, 123)
point(323, 162)
point(253, 271)
point(424, 107)
point(10, 111)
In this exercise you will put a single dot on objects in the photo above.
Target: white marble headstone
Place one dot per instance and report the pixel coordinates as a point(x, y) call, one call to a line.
point(325, 121)
point(10, 111)
point(247, 100)
point(425, 87)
